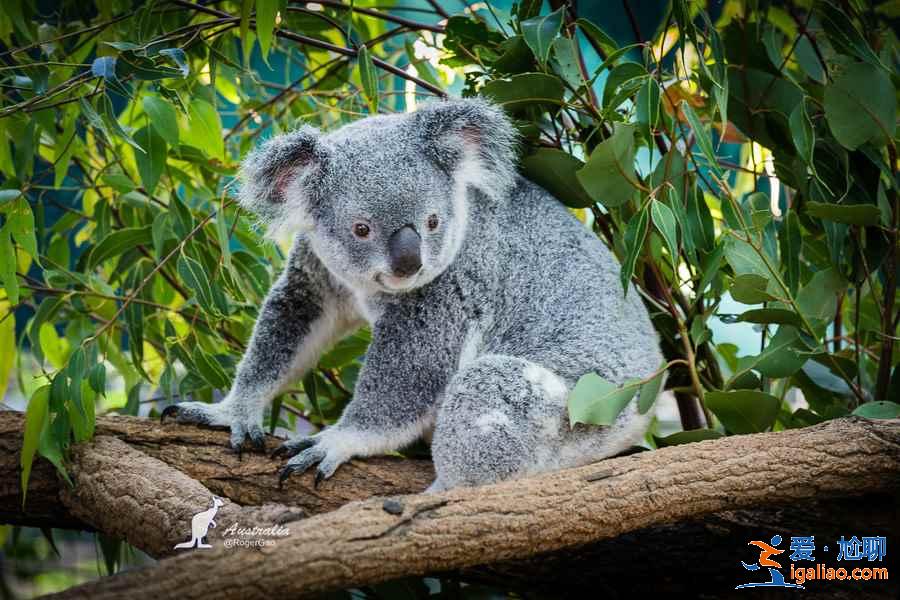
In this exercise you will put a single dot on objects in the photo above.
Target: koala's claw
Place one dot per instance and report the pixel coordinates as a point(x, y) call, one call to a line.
point(302, 461)
point(292, 447)
point(169, 411)
point(286, 472)
point(320, 475)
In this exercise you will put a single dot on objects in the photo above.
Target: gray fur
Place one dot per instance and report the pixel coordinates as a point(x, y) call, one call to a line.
point(514, 302)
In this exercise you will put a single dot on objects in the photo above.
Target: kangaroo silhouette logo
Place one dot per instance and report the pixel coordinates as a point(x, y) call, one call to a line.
point(200, 524)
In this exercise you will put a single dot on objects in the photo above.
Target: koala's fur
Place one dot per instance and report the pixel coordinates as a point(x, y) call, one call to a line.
point(515, 300)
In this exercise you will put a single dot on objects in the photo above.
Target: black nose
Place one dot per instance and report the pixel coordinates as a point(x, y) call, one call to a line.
point(404, 249)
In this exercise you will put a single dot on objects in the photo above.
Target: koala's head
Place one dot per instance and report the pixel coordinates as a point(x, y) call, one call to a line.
point(384, 201)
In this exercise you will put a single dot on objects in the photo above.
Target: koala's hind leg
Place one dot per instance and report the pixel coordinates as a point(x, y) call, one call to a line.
point(502, 417)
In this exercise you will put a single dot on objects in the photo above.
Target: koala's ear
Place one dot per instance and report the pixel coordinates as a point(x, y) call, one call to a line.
point(471, 139)
point(279, 177)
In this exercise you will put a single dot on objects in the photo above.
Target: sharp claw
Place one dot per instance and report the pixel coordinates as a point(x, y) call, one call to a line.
point(259, 442)
point(237, 450)
point(284, 474)
point(319, 477)
point(292, 448)
point(168, 411)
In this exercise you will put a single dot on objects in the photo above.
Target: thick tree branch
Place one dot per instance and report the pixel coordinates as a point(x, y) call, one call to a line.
point(203, 455)
point(378, 540)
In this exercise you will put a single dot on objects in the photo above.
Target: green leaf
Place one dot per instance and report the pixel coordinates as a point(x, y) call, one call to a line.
point(97, 378)
point(20, 224)
point(853, 214)
point(194, 276)
point(246, 40)
point(702, 136)
point(152, 161)
point(784, 355)
point(750, 288)
point(521, 91)
point(209, 369)
point(635, 234)
point(778, 316)
point(664, 220)
point(817, 300)
point(803, 133)
point(8, 266)
point(118, 242)
point(265, 24)
point(596, 401)
point(7, 344)
point(649, 391)
point(205, 131)
point(540, 32)
point(35, 419)
point(111, 122)
point(687, 437)
point(369, 78)
point(565, 61)
point(860, 105)
point(555, 171)
point(609, 177)
point(346, 351)
point(843, 34)
point(700, 221)
point(598, 36)
point(881, 409)
point(162, 118)
point(791, 240)
point(743, 411)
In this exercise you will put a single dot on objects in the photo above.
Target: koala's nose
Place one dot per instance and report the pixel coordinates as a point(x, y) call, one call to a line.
point(404, 250)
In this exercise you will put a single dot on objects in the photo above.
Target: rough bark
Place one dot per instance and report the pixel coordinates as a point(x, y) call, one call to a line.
point(200, 454)
point(376, 540)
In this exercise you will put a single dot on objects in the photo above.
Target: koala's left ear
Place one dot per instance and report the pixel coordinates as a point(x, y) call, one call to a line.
point(279, 177)
point(471, 139)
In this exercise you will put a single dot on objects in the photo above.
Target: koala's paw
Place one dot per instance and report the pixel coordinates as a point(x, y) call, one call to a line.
point(328, 449)
point(221, 414)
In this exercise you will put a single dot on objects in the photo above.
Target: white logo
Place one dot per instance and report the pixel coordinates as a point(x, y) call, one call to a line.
point(200, 524)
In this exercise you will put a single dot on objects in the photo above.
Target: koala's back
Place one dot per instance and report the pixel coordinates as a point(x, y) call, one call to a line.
point(559, 297)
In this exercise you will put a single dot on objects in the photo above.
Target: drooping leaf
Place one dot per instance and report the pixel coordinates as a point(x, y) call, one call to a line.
point(860, 105)
point(744, 411)
point(527, 89)
point(687, 437)
point(853, 214)
point(162, 118)
point(539, 33)
point(635, 234)
point(596, 401)
point(35, 420)
point(881, 409)
point(665, 223)
point(150, 163)
point(369, 78)
point(265, 24)
point(555, 171)
point(608, 176)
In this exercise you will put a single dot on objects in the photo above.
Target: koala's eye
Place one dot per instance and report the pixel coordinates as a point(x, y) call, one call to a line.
point(361, 230)
point(432, 222)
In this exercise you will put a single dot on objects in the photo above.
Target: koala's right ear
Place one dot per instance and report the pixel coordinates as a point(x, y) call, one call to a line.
point(279, 177)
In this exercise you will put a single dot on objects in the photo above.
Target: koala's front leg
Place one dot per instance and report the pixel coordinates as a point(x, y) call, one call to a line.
point(303, 313)
point(414, 353)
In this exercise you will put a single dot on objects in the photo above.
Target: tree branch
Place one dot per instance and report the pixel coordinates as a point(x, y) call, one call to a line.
point(377, 540)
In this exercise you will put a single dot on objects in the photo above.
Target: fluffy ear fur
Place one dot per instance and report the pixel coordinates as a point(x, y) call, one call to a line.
point(278, 178)
point(471, 139)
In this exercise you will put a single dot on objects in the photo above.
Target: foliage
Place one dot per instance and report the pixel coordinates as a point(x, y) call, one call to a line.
point(747, 162)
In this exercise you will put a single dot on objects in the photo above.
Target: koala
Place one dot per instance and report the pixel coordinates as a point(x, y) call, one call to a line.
point(486, 297)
